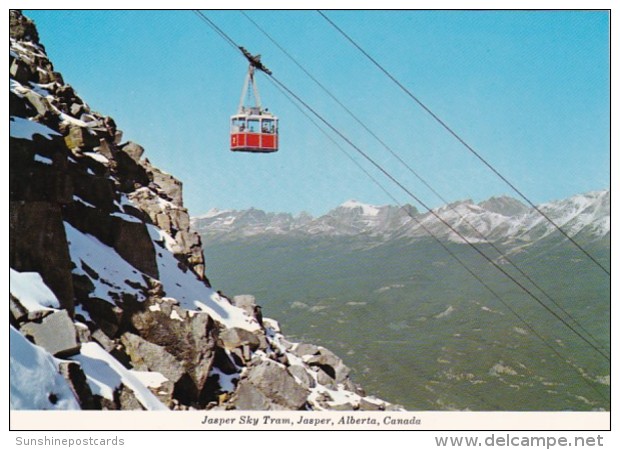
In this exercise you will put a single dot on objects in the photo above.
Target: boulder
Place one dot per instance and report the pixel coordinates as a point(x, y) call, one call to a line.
point(130, 174)
point(302, 350)
point(245, 302)
point(324, 379)
point(277, 384)
point(146, 356)
point(231, 338)
point(105, 149)
point(56, 334)
point(133, 150)
point(371, 404)
point(168, 184)
point(330, 364)
point(102, 339)
point(40, 104)
point(250, 398)
point(20, 71)
point(347, 406)
point(79, 138)
point(188, 338)
point(303, 377)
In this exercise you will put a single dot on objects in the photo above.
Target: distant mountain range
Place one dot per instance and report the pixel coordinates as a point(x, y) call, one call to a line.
point(412, 322)
point(498, 219)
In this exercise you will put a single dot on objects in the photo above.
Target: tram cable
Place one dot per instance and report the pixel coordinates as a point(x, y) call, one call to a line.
point(438, 217)
point(410, 194)
point(464, 143)
point(423, 181)
point(447, 249)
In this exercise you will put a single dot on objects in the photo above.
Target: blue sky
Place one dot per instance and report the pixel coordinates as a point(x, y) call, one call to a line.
point(528, 90)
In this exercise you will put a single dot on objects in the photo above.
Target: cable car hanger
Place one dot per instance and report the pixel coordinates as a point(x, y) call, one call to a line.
point(255, 60)
point(253, 128)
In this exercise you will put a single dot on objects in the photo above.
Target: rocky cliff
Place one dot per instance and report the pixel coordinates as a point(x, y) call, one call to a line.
point(110, 306)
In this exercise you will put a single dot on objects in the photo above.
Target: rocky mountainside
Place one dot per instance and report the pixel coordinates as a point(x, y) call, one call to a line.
point(499, 219)
point(110, 306)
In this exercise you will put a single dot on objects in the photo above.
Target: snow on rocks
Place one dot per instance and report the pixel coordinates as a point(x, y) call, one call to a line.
point(43, 160)
point(367, 210)
point(35, 381)
point(312, 377)
point(98, 157)
point(129, 304)
point(114, 275)
point(192, 293)
point(21, 128)
point(152, 380)
point(227, 382)
point(105, 374)
point(31, 292)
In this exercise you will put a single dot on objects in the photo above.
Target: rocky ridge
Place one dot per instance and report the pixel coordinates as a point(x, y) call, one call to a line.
point(110, 306)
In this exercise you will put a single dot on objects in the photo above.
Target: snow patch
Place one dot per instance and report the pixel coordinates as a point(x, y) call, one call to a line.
point(227, 381)
point(160, 236)
point(192, 293)
point(43, 159)
point(41, 89)
point(35, 383)
point(367, 210)
point(116, 276)
point(126, 217)
point(97, 157)
point(82, 201)
point(17, 88)
point(68, 119)
point(80, 311)
point(152, 380)
point(21, 128)
point(31, 291)
point(105, 374)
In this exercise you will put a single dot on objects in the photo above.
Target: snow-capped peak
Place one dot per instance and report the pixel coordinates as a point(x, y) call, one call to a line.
point(213, 212)
point(367, 210)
